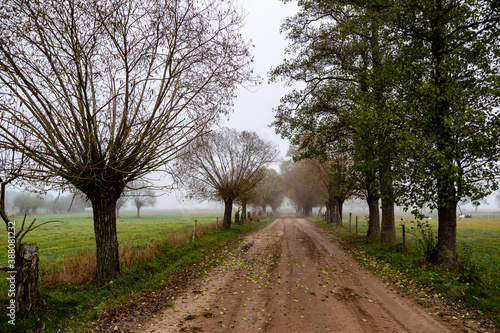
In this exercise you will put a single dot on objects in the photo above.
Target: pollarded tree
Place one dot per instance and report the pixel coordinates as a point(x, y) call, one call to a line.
point(271, 191)
point(222, 165)
point(28, 202)
point(109, 91)
point(142, 196)
point(74, 202)
point(120, 203)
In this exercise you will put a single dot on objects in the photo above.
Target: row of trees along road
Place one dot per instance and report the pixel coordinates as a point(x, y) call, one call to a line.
point(311, 182)
point(408, 91)
point(224, 165)
point(98, 94)
point(270, 191)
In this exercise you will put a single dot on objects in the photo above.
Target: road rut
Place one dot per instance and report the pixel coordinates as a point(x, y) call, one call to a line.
point(292, 276)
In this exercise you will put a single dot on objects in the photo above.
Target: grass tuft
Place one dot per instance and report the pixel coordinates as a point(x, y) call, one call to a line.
point(474, 284)
point(71, 301)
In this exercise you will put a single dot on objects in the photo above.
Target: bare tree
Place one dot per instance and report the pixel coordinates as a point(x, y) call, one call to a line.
point(121, 202)
point(142, 196)
point(109, 91)
point(271, 190)
point(304, 185)
point(22, 263)
point(223, 165)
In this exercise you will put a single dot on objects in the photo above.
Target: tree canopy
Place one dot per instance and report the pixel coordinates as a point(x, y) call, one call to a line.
point(223, 165)
point(412, 88)
point(101, 93)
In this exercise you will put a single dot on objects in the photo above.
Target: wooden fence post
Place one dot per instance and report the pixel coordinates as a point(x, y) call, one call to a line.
point(404, 238)
point(194, 231)
point(350, 215)
point(217, 226)
point(26, 279)
point(356, 225)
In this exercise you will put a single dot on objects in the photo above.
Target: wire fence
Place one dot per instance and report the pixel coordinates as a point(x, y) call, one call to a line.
point(60, 252)
point(360, 226)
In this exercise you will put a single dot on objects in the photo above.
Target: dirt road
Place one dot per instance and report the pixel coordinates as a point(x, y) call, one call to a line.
point(291, 276)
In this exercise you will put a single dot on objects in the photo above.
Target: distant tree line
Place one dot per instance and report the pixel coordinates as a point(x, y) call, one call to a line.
point(31, 203)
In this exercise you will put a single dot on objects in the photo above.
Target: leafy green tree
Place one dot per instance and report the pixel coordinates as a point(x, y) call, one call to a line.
point(342, 52)
point(106, 92)
point(449, 53)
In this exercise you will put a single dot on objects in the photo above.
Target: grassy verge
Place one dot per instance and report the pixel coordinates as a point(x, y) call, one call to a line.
point(474, 286)
point(77, 307)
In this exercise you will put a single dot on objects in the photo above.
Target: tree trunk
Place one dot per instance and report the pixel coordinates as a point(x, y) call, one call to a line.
point(228, 210)
point(104, 209)
point(237, 218)
point(374, 215)
point(138, 211)
point(243, 211)
point(308, 210)
point(388, 232)
point(337, 212)
point(444, 165)
point(26, 278)
point(3, 213)
point(447, 235)
point(330, 208)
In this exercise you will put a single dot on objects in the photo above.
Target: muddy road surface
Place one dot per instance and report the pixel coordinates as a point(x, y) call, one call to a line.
point(292, 276)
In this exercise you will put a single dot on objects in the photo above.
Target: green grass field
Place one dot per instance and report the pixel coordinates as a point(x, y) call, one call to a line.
point(479, 235)
point(77, 303)
point(476, 284)
point(76, 232)
point(70, 307)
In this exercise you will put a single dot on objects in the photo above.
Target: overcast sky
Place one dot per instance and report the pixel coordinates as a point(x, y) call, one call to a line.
point(253, 110)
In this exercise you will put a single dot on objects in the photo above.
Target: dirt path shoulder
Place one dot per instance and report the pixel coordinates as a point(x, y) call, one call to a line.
point(293, 277)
